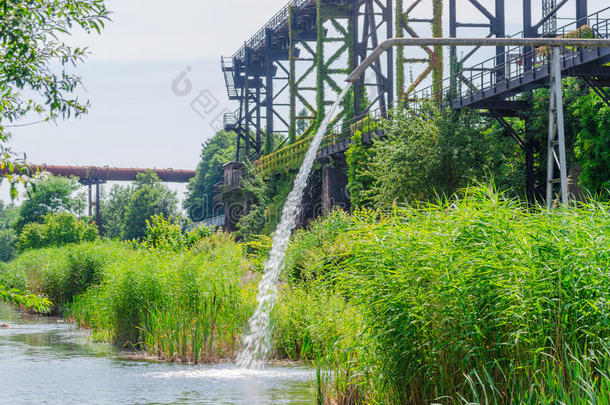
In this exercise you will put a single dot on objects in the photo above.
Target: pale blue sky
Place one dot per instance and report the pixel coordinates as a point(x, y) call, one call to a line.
point(136, 120)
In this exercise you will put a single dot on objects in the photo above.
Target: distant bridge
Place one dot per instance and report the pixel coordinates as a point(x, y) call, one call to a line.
point(102, 174)
point(96, 175)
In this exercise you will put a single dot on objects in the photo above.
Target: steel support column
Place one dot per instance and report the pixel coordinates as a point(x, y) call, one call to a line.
point(333, 47)
point(528, 32)
point(292, 129)
point(89, 182)
point(269, 93)
point(370, 19)
point(90, 200)
point(98, 218)
point(581, 12)
point(499, 31)
point(556, 148)
point(550, 24)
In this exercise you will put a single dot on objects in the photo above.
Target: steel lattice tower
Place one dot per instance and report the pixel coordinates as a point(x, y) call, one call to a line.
point(548, 8)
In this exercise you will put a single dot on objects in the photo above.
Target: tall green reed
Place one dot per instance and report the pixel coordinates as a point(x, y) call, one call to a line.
point(474, 292)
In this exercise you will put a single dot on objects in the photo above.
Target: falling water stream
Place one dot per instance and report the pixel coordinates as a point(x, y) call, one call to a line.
point(257, 343)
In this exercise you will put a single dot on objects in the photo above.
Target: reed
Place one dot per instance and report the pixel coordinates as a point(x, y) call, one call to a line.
point(476, 299)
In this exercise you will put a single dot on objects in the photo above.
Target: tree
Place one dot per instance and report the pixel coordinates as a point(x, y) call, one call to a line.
point(113, 209)
point(405, 163)
point(8, 238)
point(33, 58)
point(593, 144)
point(32, 53)
point(433, 152)
point(199, 202)
point(149, 198)
point(48, 194)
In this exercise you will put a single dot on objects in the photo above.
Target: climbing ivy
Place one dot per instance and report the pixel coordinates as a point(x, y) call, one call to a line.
point(437, 32)
point(292, 78)
point(358, 158)
point(320, 66)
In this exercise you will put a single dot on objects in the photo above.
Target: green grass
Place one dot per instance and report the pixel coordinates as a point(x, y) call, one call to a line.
point(473, 300)
point(185, 306)
point(476, 300)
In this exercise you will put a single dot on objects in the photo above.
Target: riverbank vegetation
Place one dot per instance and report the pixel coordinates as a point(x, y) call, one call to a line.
point(473, 299)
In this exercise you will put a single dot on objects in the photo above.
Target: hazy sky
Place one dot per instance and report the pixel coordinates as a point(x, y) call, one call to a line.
point(136, 120)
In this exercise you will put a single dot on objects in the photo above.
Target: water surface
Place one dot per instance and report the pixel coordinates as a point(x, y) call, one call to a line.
point(47, 361)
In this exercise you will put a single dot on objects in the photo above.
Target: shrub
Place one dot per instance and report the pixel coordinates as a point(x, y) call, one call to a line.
point(162, 234)
point(311, 250)
point(56, 230)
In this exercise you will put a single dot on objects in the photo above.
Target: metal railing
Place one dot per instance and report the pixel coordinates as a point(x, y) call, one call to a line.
point(230, 121)
point(518, 61)
point(274, 23)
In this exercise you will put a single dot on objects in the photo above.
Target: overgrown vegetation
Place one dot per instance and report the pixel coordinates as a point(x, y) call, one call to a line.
point(413, 298)
point(593, 144)
point(475, 299)
point(428, 153)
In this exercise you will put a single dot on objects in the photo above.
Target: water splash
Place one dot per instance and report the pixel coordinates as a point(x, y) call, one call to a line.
point(257, 344)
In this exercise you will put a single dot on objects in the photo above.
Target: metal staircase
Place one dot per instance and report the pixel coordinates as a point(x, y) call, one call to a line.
point(229, 74)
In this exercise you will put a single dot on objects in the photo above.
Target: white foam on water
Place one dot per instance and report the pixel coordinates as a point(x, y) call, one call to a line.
point(236, 373)
point(257, 343)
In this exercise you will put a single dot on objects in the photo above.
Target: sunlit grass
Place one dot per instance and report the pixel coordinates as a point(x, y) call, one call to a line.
point(477, 300)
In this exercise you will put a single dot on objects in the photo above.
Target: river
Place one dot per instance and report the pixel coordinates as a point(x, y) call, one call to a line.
point(48, 361)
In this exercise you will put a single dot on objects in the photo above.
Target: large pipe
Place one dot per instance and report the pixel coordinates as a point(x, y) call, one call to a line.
point(525, 42)
point(107, 173)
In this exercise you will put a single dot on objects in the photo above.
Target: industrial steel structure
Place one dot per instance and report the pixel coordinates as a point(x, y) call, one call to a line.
point(295, 62)
point(303, 46)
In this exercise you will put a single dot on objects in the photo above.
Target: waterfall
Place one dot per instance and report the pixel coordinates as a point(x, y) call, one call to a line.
point(257, 343)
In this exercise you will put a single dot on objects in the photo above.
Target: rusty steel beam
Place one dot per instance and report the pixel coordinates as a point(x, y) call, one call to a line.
point(103, 174)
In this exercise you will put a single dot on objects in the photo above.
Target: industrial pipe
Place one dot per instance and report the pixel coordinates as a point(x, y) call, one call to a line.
point(107, 173)
point(556, 138)
point(529, 42)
